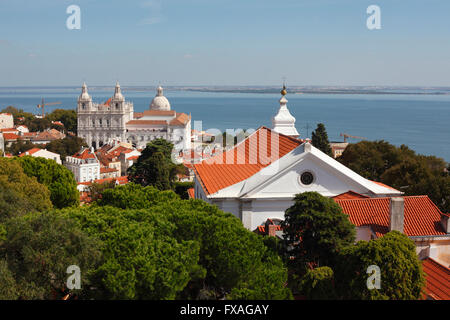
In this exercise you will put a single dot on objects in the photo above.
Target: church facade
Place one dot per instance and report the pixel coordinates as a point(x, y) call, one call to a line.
point(116, 121)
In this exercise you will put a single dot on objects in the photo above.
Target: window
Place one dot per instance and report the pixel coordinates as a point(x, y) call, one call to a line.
point(306, 178)
point(117, 106)
point(84, 106)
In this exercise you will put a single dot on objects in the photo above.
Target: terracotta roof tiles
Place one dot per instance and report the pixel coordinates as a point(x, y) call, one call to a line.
point(437, 279)
point(244, 160)
point(422, 216)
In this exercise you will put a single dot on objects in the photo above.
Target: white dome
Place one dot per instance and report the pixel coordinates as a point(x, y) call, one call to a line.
point(84, 93)
point(160, 102)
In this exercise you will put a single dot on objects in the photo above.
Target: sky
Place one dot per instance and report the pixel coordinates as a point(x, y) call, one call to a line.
point(225, 42)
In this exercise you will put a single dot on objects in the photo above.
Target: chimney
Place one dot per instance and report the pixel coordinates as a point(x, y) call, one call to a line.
point(397, 214)
point(445, 221)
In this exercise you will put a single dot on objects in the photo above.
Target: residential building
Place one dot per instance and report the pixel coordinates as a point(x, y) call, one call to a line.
point(43, 153)
point(6, 120)
point(84, 165)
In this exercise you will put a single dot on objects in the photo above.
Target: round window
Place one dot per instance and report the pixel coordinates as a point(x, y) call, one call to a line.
point(307, 178)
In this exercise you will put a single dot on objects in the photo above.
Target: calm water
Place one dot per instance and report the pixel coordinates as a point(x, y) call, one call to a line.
point(419, 121)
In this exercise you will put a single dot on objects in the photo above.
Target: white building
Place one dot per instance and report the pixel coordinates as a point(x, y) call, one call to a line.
point(43, 153)
point(258, 178)
point(6, 120)
point(115, 120)
point(2, 144)
point(84, 165)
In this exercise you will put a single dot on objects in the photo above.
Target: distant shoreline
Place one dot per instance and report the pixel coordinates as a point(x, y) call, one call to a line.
point(369, 90)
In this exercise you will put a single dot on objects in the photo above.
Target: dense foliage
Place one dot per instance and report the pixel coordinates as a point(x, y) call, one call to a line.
point(324, 262)
point(223, 260)
point(155, 166)
point(319, 139)
point(20, 193)
point(401, 271)
point(67, 146)
point(68, 118)
point(402, 169)
point(315, 230)
point(58, 179)
point(36, 251)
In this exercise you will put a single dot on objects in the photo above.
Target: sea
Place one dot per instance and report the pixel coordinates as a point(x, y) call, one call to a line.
point(420, 121)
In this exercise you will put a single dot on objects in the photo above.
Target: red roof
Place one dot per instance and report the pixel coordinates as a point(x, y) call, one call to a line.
point(29, 152)
point(422, 216)
point(437, 279)
point(8, 130)
point(159, 113)
point(133, 158)
point(107, 170)
point(10, 136)
point(217, 172)
point(180, 120)
point(84, 154)
point(144, 122)
point(120, 180)
point(349, 195)
point(191, 193)
point(383, 185)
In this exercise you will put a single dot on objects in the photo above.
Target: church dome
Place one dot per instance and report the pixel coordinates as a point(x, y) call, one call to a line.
point(84, 93)
point(160, 102)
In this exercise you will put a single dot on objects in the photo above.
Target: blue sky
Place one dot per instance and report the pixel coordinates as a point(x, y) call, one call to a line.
point(225, 42)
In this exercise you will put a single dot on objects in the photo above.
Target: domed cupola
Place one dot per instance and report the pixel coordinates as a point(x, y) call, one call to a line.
point(84, 96)
point(284, 122)
point(118, 96)
point(160, 102)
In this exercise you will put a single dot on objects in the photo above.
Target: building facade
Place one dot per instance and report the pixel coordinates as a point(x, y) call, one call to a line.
point(84, 165)
point(115, 120)
point(6, 120)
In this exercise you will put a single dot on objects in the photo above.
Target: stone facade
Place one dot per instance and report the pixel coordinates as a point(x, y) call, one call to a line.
point(115, 120)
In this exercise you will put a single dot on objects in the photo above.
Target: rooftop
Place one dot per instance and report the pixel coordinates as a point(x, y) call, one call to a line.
point(422, 216)
point(437, 279)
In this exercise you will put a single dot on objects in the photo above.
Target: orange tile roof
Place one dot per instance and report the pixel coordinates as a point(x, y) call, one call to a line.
point(422, 216)
point(138, 115)
point(180, 120)
point(84, 154)
point(107, 170)
point(349, 195)
point(216, 173)
point(437, 278)
point(191, 193)
point(159, 113)
point(133, 158)
point(29, 152)
point(121, 180)
point(10, 136)
point(8, 130)
point(144, 122)
point(383, 185)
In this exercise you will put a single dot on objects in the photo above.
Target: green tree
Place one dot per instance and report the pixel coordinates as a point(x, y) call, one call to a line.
point(319, 139)
point(67, 117)
point(401, 271)
point(314, 230)
point(155, 167)
point(18, 113)
point(20, 193)
point(318, 284)
point(21, 146)
point(181, 189)
point(401, 168)
point(96, 189)
point(58, 179)
point(8, 286)
point(67, 146)
point(38, 249)
point(232, 261)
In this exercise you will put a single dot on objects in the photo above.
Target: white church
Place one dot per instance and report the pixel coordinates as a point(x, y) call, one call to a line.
point(258, 178)
point(116, 121)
